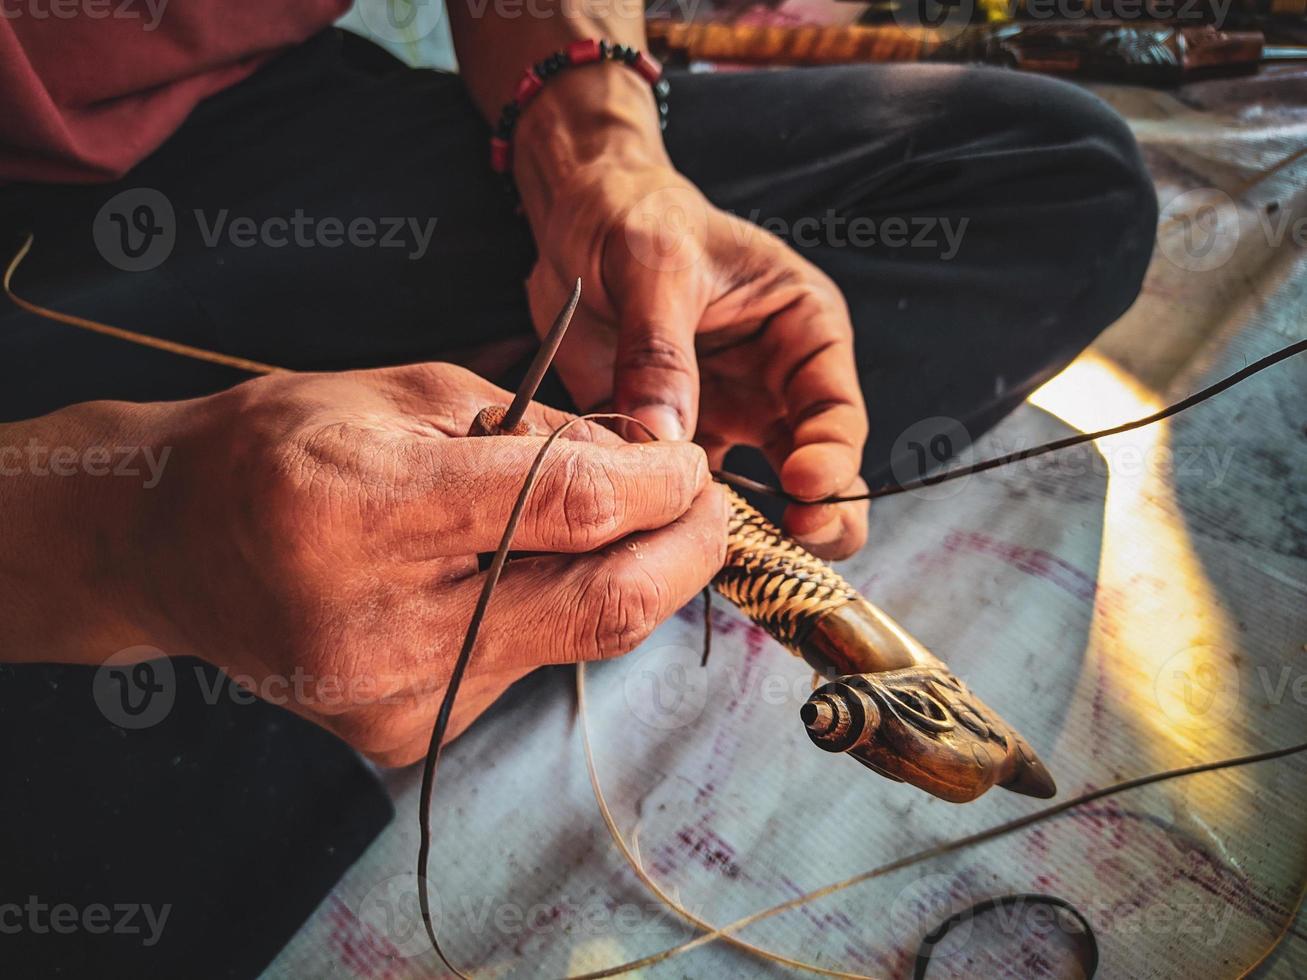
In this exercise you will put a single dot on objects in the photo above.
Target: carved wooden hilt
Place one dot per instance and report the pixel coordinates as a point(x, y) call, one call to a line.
point(893, 705)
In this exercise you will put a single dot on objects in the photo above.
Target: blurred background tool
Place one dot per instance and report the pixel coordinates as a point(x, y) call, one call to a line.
point(1152, 53)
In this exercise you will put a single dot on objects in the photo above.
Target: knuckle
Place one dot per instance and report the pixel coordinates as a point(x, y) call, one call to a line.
point(444, 390)
point(678, 490)
point(396, 748)
point(587, 494)
point(820, 282)
point(825, 291)
point(320, 475)
point(653, 352)
point(811, 286)
point(379, 734)
point(285, 490)
point(626, 610)
point(396, 758)
point(315, 464)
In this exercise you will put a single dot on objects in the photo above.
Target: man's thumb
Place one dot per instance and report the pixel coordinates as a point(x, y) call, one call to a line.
point(656, 372)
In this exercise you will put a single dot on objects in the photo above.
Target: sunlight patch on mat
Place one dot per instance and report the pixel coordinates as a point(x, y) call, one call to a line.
point(1159, 629)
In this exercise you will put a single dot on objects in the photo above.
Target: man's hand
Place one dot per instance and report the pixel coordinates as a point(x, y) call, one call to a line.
point(697, 322)
point(319, 534)
point(691, 320)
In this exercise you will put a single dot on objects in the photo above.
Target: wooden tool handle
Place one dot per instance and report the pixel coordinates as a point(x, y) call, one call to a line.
point(893, 705)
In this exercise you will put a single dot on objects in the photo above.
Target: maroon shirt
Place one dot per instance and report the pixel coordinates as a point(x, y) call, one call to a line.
point(88, 88)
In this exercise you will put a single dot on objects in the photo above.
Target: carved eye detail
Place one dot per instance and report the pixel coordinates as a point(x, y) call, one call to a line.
point(920, 708)
point(974, 720)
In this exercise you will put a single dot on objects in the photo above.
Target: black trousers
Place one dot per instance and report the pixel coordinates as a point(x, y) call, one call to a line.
point(983, 225)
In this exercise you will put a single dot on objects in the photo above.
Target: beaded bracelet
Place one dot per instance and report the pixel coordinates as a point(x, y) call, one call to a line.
point(577, 53)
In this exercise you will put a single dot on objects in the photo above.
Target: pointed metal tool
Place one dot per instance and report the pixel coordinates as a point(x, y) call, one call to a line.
point(495, 420)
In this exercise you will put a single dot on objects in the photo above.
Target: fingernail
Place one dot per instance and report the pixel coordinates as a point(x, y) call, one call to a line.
point(663, 420)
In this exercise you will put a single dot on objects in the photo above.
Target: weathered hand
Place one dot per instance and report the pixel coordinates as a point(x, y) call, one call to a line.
point(696, 321)
point(326, 528)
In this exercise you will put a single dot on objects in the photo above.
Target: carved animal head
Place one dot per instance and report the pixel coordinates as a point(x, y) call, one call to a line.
point(921, 725)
